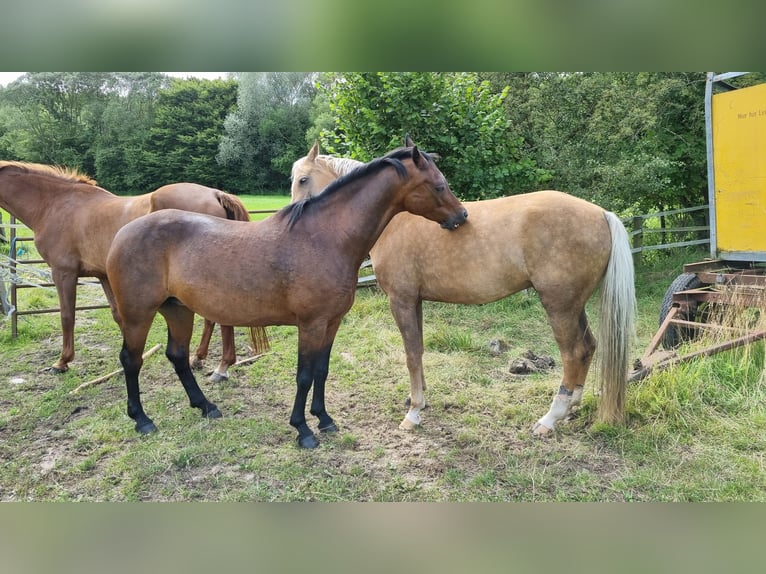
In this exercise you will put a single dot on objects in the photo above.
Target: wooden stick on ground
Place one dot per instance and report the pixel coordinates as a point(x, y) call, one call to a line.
point(103, 378)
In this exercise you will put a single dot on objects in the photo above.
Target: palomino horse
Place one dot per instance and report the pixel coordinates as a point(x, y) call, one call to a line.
point(560, 245)
point(298, 267)
point(74, 222)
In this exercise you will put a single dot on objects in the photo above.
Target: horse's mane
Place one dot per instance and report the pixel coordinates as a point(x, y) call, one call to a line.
point(67, 173)
point(294, 211)
point(340, 165)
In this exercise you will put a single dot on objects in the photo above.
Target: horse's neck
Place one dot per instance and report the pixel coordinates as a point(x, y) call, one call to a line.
point(30, 200)
point(364, 210)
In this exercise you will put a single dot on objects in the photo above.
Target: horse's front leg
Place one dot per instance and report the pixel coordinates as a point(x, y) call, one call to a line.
point(66, 287)
point(408, 315)
point(313, 362)
point(577, 345)
point(321, 370)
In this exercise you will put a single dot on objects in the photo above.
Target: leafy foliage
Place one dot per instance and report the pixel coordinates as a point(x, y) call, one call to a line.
point(454, 115)
point(264, 135)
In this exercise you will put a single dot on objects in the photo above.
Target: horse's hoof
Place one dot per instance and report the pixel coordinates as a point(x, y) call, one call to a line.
point(146, 428)
point(308, 441)
point(217, 377)
point(541, 431)
point(214, 414)
point(196, 364)
point(54, 370)
point(329, 428)
point(407, 425)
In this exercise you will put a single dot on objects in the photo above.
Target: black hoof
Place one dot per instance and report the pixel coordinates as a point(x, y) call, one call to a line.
point(146, 428)
point(55, 371)
point(308, 441)
point(329, 428)
point(214, 414)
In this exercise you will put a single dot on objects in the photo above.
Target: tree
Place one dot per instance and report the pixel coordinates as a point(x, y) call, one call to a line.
point(126, 123)
point(183, 140)
point(623, 140)
point(62, 112)
point(455, 115)
point(264, 134)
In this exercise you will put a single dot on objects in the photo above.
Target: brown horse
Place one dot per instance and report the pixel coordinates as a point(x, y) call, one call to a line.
point(298, 267)
point(560, 245)
point(74, 222)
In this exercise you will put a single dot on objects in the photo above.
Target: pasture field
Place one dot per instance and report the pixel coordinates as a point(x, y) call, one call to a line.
point(694, 433)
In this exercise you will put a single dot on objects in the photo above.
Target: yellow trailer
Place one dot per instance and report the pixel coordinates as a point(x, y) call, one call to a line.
point(735, 274)
point(737, 173)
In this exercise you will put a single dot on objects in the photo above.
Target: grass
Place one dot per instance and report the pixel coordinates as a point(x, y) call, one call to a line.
point(694, 433)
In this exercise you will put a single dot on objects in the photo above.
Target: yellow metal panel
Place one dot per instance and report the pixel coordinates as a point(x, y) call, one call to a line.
point(739, 159)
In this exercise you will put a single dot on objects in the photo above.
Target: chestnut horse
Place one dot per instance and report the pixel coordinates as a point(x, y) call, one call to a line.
point(74, 222)
point(560, 245)
point(298, 267)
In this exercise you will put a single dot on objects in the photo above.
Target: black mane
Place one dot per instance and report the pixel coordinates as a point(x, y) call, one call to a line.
point(294, 211)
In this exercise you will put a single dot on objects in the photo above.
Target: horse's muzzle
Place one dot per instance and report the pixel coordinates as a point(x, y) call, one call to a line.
point(455, 221)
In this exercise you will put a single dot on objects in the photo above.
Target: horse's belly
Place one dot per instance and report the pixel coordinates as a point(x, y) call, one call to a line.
point(470, 290)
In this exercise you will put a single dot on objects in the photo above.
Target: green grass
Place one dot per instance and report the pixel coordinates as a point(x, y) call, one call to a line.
point(694, 433)
point(264, 202)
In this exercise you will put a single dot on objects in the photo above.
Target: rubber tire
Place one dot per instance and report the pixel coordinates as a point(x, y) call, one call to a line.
point(674, 335)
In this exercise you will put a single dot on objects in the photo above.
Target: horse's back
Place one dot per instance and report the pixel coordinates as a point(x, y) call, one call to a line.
point(199, 199)
point(507, 244)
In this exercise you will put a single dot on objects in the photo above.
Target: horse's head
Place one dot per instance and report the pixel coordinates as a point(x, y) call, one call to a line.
point(311, 174)
point(430, 195)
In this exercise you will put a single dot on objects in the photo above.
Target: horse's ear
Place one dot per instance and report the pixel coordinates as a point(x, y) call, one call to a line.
point(408, 141)
point(314, 151)
point(417, 158)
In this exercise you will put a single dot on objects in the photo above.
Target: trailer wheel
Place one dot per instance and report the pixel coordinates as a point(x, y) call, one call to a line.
point(675, 334)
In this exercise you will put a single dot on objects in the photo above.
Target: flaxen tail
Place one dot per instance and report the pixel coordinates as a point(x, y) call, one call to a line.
point(616, 324)
point(236, 210)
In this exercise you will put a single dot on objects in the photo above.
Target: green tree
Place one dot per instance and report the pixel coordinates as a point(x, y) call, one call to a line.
point(183, 141)
point(455, 115)
point(264, 134)
point(62, 114)
point(125, 128)
point(623, 140)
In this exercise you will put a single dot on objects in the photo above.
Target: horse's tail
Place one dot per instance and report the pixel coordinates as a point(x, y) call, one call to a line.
point(235, 209)
point(233, 206)
point(616, 324)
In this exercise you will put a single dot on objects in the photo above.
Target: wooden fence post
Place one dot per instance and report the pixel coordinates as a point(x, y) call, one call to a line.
point(638, 238)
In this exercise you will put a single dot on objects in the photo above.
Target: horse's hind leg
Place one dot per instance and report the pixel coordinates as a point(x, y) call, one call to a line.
point(204, 344)
point(180, 322)
point(228, 355)
point(133, 342)
point(577, 345)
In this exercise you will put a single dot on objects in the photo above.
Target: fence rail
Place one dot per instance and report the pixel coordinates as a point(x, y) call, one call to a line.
point(649, 232)
point(668, 229)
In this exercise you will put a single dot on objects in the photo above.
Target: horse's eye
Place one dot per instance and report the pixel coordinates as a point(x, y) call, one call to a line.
point(440, 188)
point(303, 180)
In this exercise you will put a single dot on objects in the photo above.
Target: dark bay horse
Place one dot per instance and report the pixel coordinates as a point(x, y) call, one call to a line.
point(74, 222)
point(298, 267)
point(560, 245)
